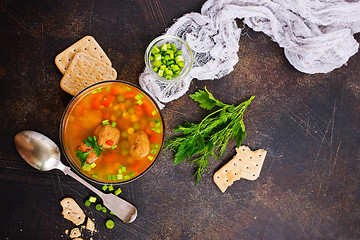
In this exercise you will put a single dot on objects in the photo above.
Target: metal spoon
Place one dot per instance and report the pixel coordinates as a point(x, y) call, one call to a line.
point(43, 154)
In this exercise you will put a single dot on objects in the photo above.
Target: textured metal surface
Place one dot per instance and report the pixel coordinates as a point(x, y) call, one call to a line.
point(309, 124)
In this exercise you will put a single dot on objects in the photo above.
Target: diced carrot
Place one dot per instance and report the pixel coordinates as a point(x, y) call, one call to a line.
point(138, 111)
point(96, 102)
point(116, 90)
point(148, 131)
point(136, 166)
point(148, 109)
point(129, 95)
point(122, 106)
point(80, 109)
point(108, 100)
point(154, 137)
point(106, 115)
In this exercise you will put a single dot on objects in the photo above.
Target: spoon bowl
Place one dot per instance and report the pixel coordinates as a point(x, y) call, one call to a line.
point(37, 150)
point(43, 154)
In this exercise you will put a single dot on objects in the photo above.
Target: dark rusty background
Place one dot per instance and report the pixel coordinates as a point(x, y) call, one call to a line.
point(309, 124)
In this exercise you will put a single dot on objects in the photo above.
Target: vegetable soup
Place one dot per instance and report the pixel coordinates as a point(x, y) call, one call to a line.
point(112, 132)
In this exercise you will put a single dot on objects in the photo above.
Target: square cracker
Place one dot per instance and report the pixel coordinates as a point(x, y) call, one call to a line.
point(72, 211)
point(245, 164)
point(83, 71)
point(86, 44)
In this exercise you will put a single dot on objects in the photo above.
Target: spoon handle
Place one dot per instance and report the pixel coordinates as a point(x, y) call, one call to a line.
point(121, 208)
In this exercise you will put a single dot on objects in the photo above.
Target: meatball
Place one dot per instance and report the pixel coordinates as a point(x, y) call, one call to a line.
point(92, 157)
point(139, 144)
point(108, 136)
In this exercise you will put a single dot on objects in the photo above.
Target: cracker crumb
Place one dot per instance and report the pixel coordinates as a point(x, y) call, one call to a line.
point(75, 233)
point(72, 211)
point(90, 225)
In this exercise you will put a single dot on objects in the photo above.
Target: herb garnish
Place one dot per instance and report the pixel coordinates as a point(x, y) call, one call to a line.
point(90, 142)
point(211, 135)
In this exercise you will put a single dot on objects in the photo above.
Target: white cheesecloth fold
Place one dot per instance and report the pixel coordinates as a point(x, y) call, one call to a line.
point(317, 37)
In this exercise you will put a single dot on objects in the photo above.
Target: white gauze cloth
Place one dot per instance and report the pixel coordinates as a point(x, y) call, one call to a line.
point(317, 37)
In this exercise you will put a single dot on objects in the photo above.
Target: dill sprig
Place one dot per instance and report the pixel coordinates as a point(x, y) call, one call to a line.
point(209, 138)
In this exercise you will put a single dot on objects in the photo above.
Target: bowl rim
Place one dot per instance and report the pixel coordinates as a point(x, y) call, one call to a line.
point(148, 62)
point(63, 121)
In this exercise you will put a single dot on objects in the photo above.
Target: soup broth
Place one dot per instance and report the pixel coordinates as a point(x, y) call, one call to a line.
point(112, 133)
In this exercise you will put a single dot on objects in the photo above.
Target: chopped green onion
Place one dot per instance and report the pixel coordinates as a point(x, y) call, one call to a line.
point(92, 199)
point(95, 176)
point(126, 177)
point(108, 177)
point(119, 176)
point(128, 89)
point(150, 157)
point(98, 207)
point(157, 57)
point(113, 124)
point(93, 165)
point(113, 147)
point(113, 177)
point(131, 174)
point(163, 47)
point(109, 224)
point(153, 112)
point(171, 53)
point(121, 165)
point(153, 151)
point(87, 203)
point(104, 209)
point(107, 88)
point(99, 89)
point(175, 68)
point(156, 64)
point(155, 50)
point(112, 213)
point(95, 91)
point(111, 188)
point(139, 102)
point(123, 169)
point(86, 167)
point(179, 58)
point(118, 191)
point(158, 130)
point(105, 122)
point(104, 188)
